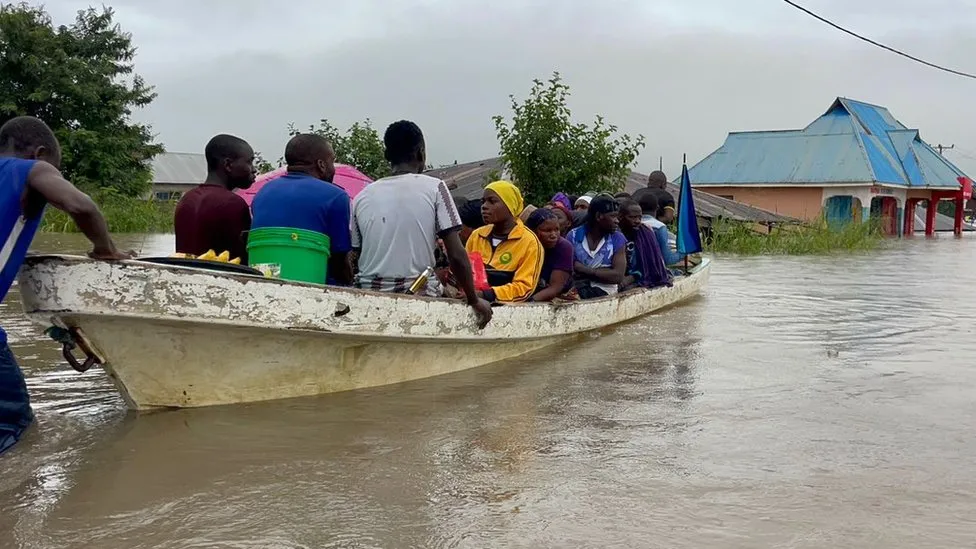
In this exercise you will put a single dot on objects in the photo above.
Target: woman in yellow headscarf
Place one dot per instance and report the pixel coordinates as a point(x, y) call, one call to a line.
point(512, 253)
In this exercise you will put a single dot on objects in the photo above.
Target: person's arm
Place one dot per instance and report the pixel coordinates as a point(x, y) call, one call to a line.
point(243, 224)
point(556, 283)
point(457, 256)
point(670, 256)
point(526, 277)
point(46, 181)
point(340, 241)
point(615, 273)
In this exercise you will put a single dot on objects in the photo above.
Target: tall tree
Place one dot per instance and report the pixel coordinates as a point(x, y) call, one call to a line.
point(80, 80)
point(546, 152)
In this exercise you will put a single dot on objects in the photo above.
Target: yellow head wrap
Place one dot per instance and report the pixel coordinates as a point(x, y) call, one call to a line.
point(509, 194)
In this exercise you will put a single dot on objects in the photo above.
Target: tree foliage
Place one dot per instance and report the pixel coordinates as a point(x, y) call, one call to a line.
point(80, 80)
point(546, 152)
point(360, 146)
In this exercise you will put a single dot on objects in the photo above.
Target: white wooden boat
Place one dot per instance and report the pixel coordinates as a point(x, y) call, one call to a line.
point(181, 337)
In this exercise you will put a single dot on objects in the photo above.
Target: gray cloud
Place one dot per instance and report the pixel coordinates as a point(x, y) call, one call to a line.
point(682, 73)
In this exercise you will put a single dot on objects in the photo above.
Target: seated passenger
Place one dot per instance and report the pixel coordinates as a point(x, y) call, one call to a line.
point(211, 216)
point(659, 223)
point(307, 199)
point(397, 220)
point(645, 264)
point(512, 254)
point(563, 216)
point(470, 212)
point(556, 278)
point(599, 249)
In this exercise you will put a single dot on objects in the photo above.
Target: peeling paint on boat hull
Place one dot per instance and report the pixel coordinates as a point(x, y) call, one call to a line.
point(179, 337)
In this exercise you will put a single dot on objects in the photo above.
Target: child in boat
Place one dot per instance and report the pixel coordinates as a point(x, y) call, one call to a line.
point(645, 263)
point(599, 249)
point(556, 278)
point(513, 254)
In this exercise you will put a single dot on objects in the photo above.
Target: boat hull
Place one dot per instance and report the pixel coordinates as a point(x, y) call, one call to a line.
point(181, 337)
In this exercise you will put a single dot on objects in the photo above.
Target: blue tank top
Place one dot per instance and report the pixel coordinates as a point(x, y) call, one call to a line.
point(16, 232)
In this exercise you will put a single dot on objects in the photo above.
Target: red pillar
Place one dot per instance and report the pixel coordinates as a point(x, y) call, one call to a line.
point(957, 222)
point(909, 229)
point(930, 217)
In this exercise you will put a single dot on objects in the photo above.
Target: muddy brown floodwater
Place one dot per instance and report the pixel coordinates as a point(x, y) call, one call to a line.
point(801, 402)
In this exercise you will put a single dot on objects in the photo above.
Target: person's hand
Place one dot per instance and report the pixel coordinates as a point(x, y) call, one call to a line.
point(111, 255)
point(483, 309)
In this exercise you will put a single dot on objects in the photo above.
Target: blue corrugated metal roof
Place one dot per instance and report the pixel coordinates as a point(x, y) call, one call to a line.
point(853, 142)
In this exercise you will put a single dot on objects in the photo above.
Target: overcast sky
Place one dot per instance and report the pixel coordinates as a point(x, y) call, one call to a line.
point(682, 72)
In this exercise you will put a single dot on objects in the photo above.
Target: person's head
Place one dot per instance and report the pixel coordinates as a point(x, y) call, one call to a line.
point(657, 180)
point(231, 160)
point(603, 214)
point(470, 212)
point(501, 203)
point(621, 195)
point(582, 203)
point(564, 199)
point(563, 215)
point(405, 147)
point(665, 207)
point(630, 215)
point(545, 224)
point(312, 155)
point(647, 198)
point(31, 139)
point(526, 212)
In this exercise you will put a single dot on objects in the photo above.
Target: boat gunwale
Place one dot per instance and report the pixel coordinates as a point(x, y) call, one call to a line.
point(459, 330)
point(76, 259)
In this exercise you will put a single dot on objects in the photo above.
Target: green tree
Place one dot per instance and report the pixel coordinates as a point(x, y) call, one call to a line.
point(546, 152)
point(360, 146)
point(79, 79)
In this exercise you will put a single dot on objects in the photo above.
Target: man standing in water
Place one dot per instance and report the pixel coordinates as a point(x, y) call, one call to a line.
point(29, 179)
point(397, 220)
point(212, 216)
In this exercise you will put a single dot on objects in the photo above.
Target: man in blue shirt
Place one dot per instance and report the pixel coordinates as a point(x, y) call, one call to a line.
point(29, 179)
point(307, 199)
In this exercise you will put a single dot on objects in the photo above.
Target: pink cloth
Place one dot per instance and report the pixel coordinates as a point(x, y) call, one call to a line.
point(350, 179)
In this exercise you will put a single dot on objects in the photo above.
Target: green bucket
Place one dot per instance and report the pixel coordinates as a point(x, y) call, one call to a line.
point(289, 254)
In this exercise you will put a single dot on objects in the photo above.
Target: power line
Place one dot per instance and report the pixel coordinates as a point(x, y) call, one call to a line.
point(878, 44)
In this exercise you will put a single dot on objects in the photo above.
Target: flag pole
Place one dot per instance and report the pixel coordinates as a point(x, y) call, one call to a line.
point(684, 164)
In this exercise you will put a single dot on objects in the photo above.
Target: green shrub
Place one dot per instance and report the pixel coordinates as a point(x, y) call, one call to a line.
point(123, 214)
point(809, 239)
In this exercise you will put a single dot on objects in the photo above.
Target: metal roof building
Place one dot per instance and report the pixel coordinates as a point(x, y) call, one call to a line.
point(176, 173)
point(855, 155)
point(853, 142)
point(471, 178)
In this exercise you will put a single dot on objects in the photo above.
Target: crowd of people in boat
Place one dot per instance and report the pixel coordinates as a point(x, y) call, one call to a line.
point(493, 250)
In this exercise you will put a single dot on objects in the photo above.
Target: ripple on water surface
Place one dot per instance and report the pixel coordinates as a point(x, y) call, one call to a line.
point(801, 402)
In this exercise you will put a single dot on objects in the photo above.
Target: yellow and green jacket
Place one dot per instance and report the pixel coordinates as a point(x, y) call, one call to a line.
point(517, 259)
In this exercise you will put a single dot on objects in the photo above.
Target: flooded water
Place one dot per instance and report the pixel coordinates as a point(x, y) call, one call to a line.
point(801, 402)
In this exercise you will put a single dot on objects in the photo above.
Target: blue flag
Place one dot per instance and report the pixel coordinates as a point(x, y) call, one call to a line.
point(689, 239)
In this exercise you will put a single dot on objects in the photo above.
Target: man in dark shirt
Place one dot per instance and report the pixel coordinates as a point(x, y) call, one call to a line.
point(212, 216)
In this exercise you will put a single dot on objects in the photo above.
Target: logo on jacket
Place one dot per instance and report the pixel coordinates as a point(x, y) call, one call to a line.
point(505, 258)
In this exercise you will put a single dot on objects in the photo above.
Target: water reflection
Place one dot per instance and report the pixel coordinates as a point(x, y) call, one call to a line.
point(800, 402)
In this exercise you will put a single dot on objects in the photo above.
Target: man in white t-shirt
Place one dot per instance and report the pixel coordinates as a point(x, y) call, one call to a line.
point(396, 221)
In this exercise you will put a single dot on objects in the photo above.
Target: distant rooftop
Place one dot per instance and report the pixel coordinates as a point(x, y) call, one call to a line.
point(852, 143)
point(179, 169)
point(471, 179)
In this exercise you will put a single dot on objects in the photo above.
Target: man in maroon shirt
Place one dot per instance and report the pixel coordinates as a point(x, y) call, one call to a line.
point(212, 216)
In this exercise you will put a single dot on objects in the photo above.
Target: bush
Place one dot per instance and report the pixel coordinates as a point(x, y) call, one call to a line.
point(547, 153)
point(813, 239)
point(124, 215)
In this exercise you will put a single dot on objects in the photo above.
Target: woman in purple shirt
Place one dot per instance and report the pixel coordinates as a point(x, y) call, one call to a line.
point(557, 266)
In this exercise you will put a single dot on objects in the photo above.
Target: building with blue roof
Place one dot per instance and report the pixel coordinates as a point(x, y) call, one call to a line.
point(856, 156)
